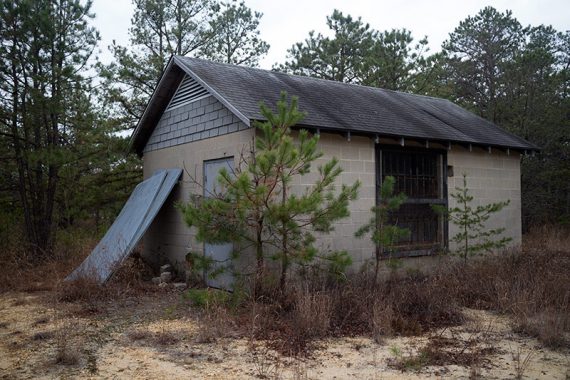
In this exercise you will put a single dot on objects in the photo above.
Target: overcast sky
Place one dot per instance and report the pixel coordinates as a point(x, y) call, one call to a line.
point(288, 21)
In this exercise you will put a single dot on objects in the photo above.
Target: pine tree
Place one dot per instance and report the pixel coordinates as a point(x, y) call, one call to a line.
point(519, 78)
point(162, 28)
point(383, 233)
point(45, 47)
point(159, 29)
point(259, 209)
point(473, 236)
point(338, 58)
point(236, 40)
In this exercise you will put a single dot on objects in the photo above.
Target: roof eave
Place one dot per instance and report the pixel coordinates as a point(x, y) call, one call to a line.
point(214, 93)
point(523, 149)
point(135, 143)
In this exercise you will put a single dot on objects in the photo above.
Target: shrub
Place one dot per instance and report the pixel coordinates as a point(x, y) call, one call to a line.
point(207, 297)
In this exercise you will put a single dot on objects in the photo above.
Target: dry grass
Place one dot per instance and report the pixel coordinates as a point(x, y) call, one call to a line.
point(215, 322)
point(21, 272)
point(407, 305)
point(165, 338)
point(530, 284)
point(66, 349)
point(138, 334)
point(43, 335)
point(521, 362)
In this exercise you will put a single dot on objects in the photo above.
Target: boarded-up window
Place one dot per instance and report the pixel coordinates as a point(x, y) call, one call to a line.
point(420, 175)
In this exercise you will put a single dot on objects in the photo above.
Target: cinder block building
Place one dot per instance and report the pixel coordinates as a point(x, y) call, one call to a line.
point(200, 119)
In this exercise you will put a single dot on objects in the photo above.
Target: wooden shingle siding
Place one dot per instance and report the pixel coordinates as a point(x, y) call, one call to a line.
point(198, 120)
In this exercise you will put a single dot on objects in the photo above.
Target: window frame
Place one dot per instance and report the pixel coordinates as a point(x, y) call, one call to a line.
point(442, 222)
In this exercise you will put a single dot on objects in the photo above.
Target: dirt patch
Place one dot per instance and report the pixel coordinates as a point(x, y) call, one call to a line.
point(158, 335)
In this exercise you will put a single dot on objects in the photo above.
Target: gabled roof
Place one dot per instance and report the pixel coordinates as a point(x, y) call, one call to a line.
point(330, 105)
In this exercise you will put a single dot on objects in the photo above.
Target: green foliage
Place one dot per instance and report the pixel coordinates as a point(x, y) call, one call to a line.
point(205, 298)
point(337, 264)
point(397, 63)
point(47, 121)
point(200, 264)
point(223, 32)
point(479, 51)
point(473, 237)
point(236, 39)
point(358, 54)
point(339, 58)
point(383, 234)
point(160, 28)
point(518, 77)
point(257, 209)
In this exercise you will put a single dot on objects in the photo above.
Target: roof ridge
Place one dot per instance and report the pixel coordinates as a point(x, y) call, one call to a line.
point(313, 78)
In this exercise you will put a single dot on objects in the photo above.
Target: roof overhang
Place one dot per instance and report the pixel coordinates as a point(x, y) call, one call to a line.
point(178, 67)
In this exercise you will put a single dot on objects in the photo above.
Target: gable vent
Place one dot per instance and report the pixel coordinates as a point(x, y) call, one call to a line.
point(189, 91)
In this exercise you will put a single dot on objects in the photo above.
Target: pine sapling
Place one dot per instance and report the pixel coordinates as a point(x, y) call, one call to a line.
point(473, 236)
point(384, 234)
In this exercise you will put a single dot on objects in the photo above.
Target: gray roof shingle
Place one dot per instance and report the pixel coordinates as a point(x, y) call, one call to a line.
point(345, 107)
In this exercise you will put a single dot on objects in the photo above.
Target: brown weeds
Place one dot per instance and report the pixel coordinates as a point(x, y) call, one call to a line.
point(530, 284)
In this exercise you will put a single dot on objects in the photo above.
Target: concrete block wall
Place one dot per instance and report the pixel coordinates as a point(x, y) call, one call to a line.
point(168, 238)
point(491, 177)
point(356, 157)
point(199, 120)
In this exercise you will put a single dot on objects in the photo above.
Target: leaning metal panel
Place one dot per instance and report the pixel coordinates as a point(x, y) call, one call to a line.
point(129, 227)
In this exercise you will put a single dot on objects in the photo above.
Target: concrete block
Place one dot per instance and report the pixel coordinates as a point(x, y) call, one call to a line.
point(166, 268)
point(166, 276)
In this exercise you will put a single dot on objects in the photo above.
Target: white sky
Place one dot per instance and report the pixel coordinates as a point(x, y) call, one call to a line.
point(288, 21)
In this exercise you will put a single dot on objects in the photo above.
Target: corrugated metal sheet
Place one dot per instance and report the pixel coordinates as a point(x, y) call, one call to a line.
point(129, 227)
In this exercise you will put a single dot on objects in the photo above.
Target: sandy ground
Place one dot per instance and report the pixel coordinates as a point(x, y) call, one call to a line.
point(158, 336)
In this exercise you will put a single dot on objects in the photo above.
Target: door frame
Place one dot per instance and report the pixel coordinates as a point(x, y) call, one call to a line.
point(231, 161)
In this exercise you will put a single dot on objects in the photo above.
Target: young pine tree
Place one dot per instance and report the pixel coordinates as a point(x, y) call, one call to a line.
point(258, 209)
point(384, 234)
point(473, 237)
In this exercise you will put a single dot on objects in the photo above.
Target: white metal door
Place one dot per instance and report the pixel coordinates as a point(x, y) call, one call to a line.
point(220, 253)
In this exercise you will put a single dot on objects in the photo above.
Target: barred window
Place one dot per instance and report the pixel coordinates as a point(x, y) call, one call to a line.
point(419, 175)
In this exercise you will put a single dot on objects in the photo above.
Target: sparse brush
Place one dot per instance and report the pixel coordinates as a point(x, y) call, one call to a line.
point(266, 363)
point(521, 362)
point(381, 321)
point(20, 271)
point(138, 334)
point(549, 327)
point(85, 289)
point(165, 338)
point(312, 313)
point(215, 323)
point(66, 351)
point(531, 284)
point(43, 335)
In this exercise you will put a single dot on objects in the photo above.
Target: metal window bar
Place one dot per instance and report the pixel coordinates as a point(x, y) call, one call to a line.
point(416, 174)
